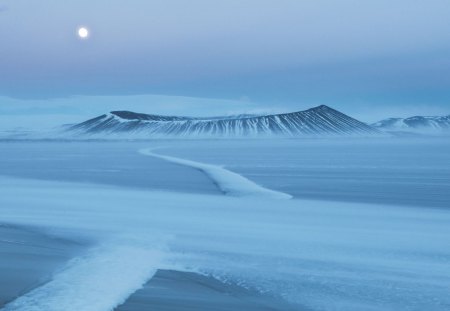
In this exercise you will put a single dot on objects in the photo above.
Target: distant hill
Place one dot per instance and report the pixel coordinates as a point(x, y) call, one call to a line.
point(321, 120)
point(417, 124)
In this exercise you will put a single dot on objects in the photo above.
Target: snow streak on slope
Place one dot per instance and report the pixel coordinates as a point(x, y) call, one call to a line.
point(320, 120)
point(101, 280)
point(228, 182)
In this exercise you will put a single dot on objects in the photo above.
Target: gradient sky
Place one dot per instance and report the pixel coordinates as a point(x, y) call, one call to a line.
point(371, 59)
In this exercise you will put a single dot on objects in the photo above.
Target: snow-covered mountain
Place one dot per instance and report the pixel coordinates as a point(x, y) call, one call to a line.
point(415, 124)
point(321, 120)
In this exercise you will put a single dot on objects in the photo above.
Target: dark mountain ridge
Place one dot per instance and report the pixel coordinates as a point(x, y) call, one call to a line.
point(321, 120)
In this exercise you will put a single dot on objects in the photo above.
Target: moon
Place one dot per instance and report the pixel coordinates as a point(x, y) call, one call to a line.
point(83, 32)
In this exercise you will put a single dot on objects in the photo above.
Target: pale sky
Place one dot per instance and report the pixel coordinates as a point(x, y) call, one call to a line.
point(371, 59)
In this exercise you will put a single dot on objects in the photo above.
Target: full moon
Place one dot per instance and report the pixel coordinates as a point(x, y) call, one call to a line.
point(83, 32)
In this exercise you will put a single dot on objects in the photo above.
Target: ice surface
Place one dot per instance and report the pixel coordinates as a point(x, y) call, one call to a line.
point(326, 256)
point(117, 164)
point(28, 257)
point(388, 171)
point(321, 255)
point(410, 172)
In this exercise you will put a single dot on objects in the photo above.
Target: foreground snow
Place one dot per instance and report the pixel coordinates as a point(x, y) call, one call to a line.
point(100, 280)
point(321, 255)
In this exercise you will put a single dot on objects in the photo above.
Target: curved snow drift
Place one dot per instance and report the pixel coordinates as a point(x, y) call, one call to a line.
point(102, 280)
point(229, 183)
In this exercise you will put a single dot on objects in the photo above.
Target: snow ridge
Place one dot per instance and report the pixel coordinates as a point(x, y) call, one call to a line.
point(101, 280)
point(229, 183)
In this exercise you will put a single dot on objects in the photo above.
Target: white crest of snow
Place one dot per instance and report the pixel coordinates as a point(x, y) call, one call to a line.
point(229, 183)
point(101, 280)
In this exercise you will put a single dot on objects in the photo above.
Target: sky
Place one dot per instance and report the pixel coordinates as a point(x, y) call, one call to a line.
point(370, 59)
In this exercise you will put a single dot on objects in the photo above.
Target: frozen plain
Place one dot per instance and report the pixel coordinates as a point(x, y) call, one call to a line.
point(368, 227)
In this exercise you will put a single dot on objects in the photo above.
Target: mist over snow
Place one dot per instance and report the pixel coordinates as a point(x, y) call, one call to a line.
point(45, 113)
point(50, 113)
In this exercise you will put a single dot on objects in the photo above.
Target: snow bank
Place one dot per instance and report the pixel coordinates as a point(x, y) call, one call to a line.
point(229, 183)
point(101, 280)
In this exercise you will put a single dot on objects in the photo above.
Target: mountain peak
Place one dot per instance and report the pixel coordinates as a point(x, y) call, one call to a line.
point(319, 108)
point(320, 120)
point(322, 107)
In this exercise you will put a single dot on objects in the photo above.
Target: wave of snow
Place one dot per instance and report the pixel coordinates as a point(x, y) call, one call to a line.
point(101, 280)
point(228, 182)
